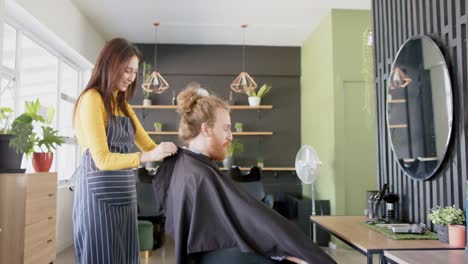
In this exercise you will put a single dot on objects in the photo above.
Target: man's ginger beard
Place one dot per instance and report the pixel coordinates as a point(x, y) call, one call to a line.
point(217, 150)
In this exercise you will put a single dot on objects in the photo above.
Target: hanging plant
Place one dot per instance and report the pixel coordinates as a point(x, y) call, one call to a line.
point(368, 72)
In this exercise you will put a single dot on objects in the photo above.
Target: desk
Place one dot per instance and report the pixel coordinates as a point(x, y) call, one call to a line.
point(427, 256)
point(350, 230)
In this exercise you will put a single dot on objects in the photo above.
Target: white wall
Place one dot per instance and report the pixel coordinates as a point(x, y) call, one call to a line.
point(68, 23)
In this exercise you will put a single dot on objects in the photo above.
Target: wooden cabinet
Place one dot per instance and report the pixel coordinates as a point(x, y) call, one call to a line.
point(28, 205)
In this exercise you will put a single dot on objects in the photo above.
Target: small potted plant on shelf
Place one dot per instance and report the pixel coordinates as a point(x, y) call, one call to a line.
point(443, 218)
point(238, 126)
point(236, 147)
point(260, 162)
point(256, 98)
point(158, 126)
point(146, 74)
point(147, 98)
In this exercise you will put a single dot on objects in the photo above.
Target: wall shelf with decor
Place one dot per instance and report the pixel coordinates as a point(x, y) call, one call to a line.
point(397, 101)
point(398, 126)
point(253, 133)
point(233, 107)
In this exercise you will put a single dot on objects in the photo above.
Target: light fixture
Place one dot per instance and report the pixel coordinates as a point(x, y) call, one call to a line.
point(155, 83)
point(243, 82)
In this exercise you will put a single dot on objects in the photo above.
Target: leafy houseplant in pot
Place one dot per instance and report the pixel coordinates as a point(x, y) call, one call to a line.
point(443, 217)
point(256, 98)
point(238, 126)
point(146, 74)
point(158, 126)
point(11, 159)
point(233, 148)
point(40, 141)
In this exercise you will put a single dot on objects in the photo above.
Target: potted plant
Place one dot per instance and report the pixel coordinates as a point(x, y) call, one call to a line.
point(158, 126)
point(11, 160)
point(443, 217)
point(39, 142)
point(260, 162)
point(146, 75)
point(147, 98)
point(238, 126)
point(233, 148)
point(256, 98)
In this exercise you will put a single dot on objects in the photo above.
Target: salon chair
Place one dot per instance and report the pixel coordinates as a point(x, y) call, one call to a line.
point(251, 182)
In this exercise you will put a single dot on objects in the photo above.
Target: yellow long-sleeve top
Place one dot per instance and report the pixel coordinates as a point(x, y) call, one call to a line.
point(90, 125)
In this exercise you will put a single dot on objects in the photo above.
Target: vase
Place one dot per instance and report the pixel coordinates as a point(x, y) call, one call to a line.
point(10, 161)
point(147, 102)
point(442, 232)
point(42, 161)
point(254, 100)
point(227, 162)
point(456, 234)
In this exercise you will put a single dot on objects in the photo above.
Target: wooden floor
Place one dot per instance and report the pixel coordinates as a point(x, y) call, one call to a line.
point(165, 255)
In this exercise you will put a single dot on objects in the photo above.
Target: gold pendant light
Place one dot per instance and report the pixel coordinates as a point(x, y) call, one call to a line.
point(155, 83)
point(243, 83)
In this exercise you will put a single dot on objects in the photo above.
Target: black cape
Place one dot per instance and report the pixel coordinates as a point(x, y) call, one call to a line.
point(206, 210)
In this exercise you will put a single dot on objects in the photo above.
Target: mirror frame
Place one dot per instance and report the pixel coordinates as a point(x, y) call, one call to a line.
point(450, 121)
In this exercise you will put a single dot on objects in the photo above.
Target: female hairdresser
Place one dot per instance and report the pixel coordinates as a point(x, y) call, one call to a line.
point(104, 211)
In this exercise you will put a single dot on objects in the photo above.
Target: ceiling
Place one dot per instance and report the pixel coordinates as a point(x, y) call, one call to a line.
point(210, 22)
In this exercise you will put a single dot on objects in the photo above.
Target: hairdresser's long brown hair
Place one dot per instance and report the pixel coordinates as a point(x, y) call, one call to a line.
point(109, 67)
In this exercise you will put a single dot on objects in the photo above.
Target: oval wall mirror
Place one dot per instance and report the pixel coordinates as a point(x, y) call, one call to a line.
point(419, 107)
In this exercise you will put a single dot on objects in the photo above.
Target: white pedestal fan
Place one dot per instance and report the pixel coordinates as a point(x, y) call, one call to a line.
point(307, 168)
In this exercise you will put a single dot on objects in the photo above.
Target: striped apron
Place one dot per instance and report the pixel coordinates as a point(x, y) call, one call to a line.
point(104, 212)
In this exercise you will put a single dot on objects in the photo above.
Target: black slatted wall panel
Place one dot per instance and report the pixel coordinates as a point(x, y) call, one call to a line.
point(445, 21)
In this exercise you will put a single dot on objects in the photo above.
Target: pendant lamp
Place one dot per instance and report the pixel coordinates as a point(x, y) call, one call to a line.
point(243, 83)
point(155, 83)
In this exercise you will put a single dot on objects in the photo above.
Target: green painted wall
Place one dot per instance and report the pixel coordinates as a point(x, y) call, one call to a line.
point(317, 105)
point(334, 118)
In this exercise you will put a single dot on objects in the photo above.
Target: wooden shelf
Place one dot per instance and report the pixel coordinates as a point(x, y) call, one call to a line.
point(154, 106)
point(175, 133)
point(247, 107)
point(398, 126)
point(397, 101)
point(420, 159)
point(266, 168)
point(253, 133)
point(234, 107)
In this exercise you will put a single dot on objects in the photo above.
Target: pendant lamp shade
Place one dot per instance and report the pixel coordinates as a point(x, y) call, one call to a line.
point(243, 83)
point(155, 83)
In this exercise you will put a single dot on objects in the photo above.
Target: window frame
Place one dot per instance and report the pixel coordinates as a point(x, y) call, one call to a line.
point(82, 66)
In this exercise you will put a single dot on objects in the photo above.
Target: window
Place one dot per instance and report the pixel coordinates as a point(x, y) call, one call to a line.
point(31, 70)
point(67, 154)
point(9, 47)
point(7, 68)
point(39, 75)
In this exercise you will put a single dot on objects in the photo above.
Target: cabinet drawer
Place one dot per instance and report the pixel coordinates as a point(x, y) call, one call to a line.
point(41, 184)
point(40, 208)
point(39, 233)
point(41, 254)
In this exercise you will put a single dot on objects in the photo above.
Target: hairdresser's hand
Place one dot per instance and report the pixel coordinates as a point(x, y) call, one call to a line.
point(163, 150)
point(296, 260)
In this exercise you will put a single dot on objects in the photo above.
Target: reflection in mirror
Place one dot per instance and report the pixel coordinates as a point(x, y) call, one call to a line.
point(419, 107)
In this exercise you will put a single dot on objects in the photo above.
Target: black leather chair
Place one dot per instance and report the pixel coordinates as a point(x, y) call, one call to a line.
point(149, 208)
point(251, 182)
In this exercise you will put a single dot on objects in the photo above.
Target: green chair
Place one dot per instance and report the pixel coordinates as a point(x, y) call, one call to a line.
point(145, 235)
